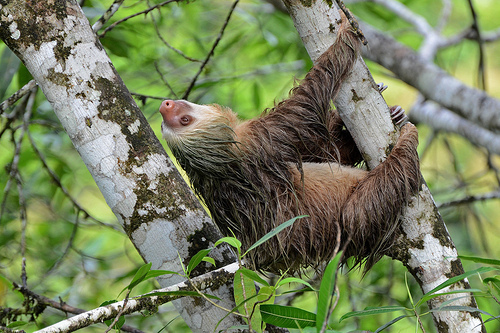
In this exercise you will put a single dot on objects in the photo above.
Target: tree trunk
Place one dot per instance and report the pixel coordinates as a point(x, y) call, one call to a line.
point(424, 247)
point(158, 211)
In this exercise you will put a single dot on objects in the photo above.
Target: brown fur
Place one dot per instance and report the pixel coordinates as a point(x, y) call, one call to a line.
point(295, 160)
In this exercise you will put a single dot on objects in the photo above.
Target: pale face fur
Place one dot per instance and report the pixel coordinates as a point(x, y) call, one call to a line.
point(183, 118)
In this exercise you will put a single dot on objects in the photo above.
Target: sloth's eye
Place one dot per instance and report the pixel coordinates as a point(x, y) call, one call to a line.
point(185, 120)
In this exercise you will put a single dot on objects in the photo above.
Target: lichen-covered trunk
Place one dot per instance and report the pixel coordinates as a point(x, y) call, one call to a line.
point(366, 116)
point(158, 211)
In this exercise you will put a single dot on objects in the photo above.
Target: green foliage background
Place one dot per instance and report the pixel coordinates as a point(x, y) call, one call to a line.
point(83, 262)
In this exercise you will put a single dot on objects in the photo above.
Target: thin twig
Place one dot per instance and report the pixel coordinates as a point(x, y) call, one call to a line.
point(61, 305)
point(146, 11)
point(217, 40)
point(120, 313)
point(471, 198)
point(480, 44)
point(66, 250)
point(164, 80)
point(57, 181)
point(107, 15)
point(17, 95)
point(170, 46)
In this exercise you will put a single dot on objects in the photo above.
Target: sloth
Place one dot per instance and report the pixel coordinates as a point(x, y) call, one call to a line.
point(296, 159)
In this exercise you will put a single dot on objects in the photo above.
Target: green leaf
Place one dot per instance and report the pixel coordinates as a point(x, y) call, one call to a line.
point(111, 301)
point(455, 279)
point(210, 260)
point(121, 320)
point(139, 276)
point(395, 320)
point(372, 310)
point(486, 261)
point(326, 291)
point(244, 292)
point(274, 232)
point(293, 280)
point(231, 241)
point(16, 324)
point(459, 291)
point(158, 272)
point(196, 259)
point(287, 316)
point(253, 275)
point(494, 281)
point(266, 295)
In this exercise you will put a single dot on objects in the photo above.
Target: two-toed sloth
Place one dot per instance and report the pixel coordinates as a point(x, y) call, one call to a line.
point(296, 159)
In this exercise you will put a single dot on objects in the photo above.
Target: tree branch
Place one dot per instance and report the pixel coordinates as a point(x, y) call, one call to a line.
point(431, 81)
point(439, 118)
point(212, 280)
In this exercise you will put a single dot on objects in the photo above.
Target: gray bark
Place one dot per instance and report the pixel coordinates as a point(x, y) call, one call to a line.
point(158, 211)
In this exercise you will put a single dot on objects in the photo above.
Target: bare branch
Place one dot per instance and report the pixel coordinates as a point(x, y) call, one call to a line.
point(471, 198)
point(212, 280)
point(439, 118)
point(433, 82)
point(210, 54)
point(17, 96)
point(146, 11)
point(107, 15)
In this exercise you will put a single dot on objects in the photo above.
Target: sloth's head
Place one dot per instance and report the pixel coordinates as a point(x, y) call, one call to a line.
point(201, 137)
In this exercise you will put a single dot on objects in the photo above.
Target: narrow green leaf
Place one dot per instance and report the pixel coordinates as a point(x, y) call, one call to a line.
point(326, 291)
point(486, 261)
point(494, 281)
point(274, 232)
point(287, 316)
point(408, 290)
point(196, 259)
point(17, 324)
point(230, 240)
point(210, 260)
point(244, 294)
point(460, 291)
point(491, 319)
point(111, 301)
point(253, 275)
point(454, 279)
point(372, 310)
point(293, 280)
point(158, 272)
point(395, 320)
point(23, 75)
point(139, 276)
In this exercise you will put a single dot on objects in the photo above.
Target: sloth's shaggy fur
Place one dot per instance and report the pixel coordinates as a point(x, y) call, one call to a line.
point(296, 159)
